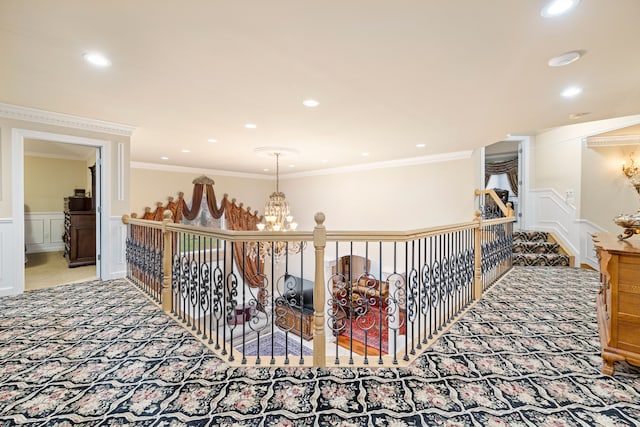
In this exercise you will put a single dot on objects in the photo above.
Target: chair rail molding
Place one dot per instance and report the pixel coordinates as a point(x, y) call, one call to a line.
point(551, 212)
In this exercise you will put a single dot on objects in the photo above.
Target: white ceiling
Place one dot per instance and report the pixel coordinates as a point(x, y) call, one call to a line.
point(454, 75)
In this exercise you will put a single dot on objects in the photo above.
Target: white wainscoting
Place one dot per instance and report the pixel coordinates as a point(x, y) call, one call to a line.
point(9, 258)
point(588, 251)
point(114, 244)
point(43, 231)
point(552, 212)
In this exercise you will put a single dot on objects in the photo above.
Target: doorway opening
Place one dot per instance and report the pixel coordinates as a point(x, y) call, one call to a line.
point(59, 213)
point(22, 211)
point(503, 174)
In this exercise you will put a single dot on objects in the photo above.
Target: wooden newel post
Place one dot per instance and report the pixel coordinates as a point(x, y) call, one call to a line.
point(167, 295)
point(319, 339)
point(477, 246)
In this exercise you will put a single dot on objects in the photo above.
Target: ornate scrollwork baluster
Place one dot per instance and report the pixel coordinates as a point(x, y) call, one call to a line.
point(205, 298)
point(175, 284)
point(218, 303)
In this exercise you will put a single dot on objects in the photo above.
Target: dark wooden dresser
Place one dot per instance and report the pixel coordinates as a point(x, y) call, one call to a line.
point(618, 300)
point(79, 231)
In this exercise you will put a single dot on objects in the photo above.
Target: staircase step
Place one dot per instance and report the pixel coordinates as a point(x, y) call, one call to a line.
point(530, 236)
point(536, 247)
point(554, 260)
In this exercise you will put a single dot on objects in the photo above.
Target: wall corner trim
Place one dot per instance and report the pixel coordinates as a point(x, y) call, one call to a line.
point(16, 112)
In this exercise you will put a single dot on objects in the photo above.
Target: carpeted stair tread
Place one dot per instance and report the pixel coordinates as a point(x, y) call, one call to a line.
point(530, 236)
point(551, 260)
point(535, 247)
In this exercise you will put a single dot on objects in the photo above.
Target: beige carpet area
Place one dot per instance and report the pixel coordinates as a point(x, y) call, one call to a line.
point(48, 269)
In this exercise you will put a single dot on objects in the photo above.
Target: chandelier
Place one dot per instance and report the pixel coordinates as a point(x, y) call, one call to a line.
point(277, 216)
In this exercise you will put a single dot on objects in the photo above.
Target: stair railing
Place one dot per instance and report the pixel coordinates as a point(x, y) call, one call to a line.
point(411, 288)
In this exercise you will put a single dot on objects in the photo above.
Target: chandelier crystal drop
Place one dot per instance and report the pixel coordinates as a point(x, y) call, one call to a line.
point(277, 216)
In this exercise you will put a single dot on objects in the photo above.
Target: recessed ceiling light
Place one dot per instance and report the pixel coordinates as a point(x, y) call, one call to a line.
point(164, 158)
point(292, 166)
point(96, 59)
point(558, 7)
point(250, 126)
point(421, 145)
point(310, 103)
point(572, 91)
point(266, 169)
point(186, 151)
point(565, 59)
point(212, 140)
point(325, 160)
point(574, 116)
point(365, 154)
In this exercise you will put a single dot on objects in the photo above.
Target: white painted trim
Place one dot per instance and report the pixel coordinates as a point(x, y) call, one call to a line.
point(17, 175)
point(612, 141)
point(17, 189)
point(566, 206)
point(45, 238)
point(410, 161)
point(65, 120)
point(198, 171)
point(120, 171)
point(435, 158)
point(588, 254)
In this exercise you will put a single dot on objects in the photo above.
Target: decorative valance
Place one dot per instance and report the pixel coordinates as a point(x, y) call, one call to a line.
point(509, 167)
point(237, 219)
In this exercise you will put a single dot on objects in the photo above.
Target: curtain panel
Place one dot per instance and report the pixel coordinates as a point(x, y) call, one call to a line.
point(509, 167)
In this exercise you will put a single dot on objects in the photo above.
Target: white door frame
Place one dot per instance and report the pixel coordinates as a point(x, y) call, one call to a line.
point(102, 189)
point(524, 143)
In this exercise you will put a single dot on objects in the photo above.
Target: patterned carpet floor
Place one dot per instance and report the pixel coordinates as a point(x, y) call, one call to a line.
point(99, 353)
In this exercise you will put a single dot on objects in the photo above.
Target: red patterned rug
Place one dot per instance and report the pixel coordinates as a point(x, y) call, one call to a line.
point(368, 326)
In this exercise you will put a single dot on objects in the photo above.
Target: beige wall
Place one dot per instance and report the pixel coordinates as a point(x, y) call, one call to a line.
point(562, 161)
point(118, 205)
point(558, 163)
point(149, 186)
point(398, 198)
point(606, 191)
point(48, 181)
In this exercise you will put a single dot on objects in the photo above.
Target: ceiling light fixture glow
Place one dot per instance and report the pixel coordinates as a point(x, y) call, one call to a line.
point(186, 151)
point(310, 103)
point(565, 59)
point(97, 59)
point(212, 140)
point(421, 145)
point(572, 91)
point(558, 7)
point(251, 126)
point(164, 158)
point(365, 154)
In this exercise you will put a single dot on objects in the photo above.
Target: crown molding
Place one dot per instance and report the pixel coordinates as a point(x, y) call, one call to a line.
point(411, 161)
point(199, 171)
point(28, 114)
point(612, 141)
point(387, 164)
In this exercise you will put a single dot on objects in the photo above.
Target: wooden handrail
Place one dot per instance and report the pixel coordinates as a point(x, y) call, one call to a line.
point(299, 236)
point(507, 209)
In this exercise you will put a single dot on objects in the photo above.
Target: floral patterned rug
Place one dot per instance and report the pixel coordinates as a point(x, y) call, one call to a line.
point(99, 353)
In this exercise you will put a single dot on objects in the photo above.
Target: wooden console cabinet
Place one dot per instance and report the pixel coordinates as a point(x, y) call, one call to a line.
point(79, 231)
point(618, 300)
